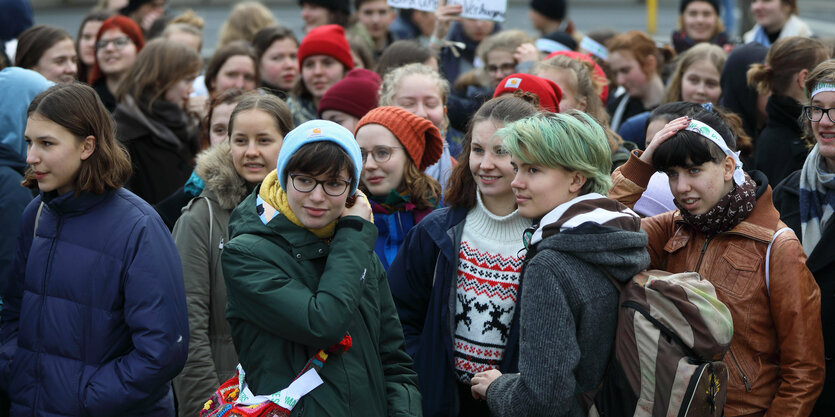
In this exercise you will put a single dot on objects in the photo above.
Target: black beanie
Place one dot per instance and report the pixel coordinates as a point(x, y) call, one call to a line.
point(338, 5)
point(684, 3)
point(552, 9)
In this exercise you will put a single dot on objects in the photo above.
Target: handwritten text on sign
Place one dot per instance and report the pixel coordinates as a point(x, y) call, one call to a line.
point(473, 9)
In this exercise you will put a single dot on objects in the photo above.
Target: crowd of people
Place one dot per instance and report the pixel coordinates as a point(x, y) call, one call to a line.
point(404, 212)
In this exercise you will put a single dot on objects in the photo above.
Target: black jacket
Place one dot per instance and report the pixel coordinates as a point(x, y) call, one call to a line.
point(780, 149)
point(822, 265)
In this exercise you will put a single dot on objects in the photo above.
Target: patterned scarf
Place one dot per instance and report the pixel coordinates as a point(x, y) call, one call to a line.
point(817, 199)
point(592, 207)
point(395, 201)
point(274, 196)
point(731, 210)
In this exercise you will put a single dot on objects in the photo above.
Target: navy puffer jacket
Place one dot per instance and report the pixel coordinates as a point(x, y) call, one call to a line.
point(94, 319)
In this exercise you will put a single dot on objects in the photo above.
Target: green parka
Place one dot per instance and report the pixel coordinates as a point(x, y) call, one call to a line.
point(291, 294)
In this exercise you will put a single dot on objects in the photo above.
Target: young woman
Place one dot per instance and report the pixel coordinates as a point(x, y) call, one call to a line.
point(301, 274)
point(245, 20)
point(423, 92)
point(781, 148)
point(118, 42)
point(806, 200)
point(277, 50)
point(230, 169)
point(152, 122)
point(216, 124)
point(317, 13)
point(699, 22)
point(94, 314)
point(776, 19)
point(470, 245)
point(396, 147)
point(325, 57)
point(580, 240)
point(85, 43)
point(696, 79)
point(636, 62)
point(722, 229)
point(49, 51)
point(232, 66)
point(351, 98)
point(499, 55)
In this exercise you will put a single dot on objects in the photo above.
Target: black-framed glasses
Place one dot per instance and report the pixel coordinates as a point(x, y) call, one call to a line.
point(379, 153)
point(815, 113)
point(333, 187)
point(118, 43)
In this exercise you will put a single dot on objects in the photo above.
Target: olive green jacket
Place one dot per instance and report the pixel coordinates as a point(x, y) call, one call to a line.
point(291, 294)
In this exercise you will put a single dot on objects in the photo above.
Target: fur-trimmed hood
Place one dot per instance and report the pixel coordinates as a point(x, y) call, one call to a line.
point(215, 167)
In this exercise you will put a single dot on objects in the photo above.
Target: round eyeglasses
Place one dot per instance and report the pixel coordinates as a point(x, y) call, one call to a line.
point(333, 187)
point(118, 43)
point(379, 153)
point(815, 113)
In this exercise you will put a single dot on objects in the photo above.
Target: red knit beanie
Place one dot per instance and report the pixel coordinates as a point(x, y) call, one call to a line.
point(598, 73)
point(419, 136)
point(327, 40)
point(126, 25)
point(549, 93)
point(356, 94)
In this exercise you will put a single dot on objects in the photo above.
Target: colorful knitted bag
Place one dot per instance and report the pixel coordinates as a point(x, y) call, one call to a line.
point(234, 399)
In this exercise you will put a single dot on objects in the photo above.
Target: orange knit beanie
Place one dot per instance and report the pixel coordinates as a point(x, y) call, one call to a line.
point(419, 136)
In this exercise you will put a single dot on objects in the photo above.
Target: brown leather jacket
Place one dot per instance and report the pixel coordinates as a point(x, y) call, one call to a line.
point(776, 360)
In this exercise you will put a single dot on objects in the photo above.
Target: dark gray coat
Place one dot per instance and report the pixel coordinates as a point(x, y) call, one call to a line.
point(568, 319)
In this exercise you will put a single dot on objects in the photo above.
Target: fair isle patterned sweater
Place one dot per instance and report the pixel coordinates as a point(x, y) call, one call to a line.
point(489, 264)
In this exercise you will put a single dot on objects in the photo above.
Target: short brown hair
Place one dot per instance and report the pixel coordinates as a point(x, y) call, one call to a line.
point(108, 167)
point(159, 66)
point(461, 187)
point(33, 42)
point(222, 54)
point(317, 158)
point(231, 96)
point(642, 47)
point(266, 103)
point(824, 72)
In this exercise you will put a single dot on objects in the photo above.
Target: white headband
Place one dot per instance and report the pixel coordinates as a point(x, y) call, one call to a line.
point(548, 45)
point(595, 47)
point(714, 136)
point(823, 86)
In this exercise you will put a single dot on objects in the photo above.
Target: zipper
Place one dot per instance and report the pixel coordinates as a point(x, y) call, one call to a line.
point(739, 369)
point(702, 254)
point(47, 272)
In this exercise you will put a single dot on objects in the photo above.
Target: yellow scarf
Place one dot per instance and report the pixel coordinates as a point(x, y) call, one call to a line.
point(272, 194)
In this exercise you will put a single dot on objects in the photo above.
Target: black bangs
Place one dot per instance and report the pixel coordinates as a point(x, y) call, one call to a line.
point(319, 158)
point(685, 149)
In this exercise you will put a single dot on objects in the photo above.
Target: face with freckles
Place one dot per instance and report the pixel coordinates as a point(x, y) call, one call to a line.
point(698, 188)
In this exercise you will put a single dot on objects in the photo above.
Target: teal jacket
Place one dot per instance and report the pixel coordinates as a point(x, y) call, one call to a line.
point(291, 294)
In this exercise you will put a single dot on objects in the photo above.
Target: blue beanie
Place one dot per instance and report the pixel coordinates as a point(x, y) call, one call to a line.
point(318, 131)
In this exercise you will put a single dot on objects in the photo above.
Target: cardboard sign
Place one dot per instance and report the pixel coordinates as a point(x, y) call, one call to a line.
point(473, 9)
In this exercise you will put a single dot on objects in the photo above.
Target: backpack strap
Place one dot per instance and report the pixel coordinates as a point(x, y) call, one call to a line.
point(37, 219)
point(768, 259)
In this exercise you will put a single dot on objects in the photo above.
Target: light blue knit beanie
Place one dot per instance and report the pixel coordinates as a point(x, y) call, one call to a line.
point(317, 131)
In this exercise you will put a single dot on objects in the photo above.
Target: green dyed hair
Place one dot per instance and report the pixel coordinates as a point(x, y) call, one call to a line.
point(572, 140)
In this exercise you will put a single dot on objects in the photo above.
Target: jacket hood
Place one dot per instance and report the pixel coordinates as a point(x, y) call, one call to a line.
point(133, 123)
point(619, 252)
point(215, 167)
point(10, 158)
point(18, 87)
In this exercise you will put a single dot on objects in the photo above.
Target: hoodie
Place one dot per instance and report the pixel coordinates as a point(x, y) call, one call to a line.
point(569, 306)
point(13, 199)
point(18, 87)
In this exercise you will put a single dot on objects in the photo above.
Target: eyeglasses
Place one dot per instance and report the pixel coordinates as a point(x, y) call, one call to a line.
point(333, 187)
point(118, 43)
point(379, 153)
point(815, 113)
point(506, 67)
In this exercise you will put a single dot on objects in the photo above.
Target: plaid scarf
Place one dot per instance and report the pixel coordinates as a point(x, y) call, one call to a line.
point(728, 212)
point(817, 199)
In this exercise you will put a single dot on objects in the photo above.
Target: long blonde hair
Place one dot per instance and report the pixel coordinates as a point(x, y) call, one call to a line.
point(702, 52)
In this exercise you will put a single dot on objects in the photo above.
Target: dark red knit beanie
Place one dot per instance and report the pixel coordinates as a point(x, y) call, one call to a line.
point(549, 93)
point(327, 40)
point(356, 94)
point(126, 25)
point(419, 136)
